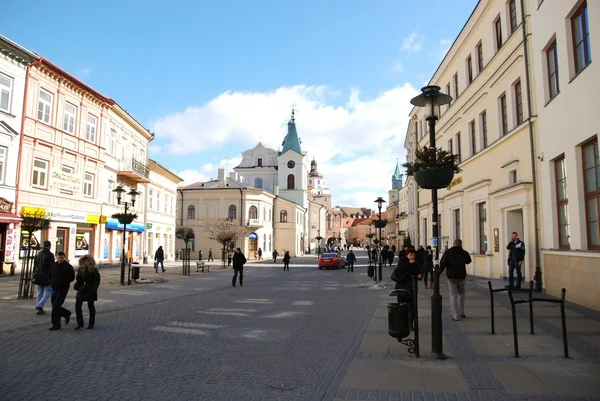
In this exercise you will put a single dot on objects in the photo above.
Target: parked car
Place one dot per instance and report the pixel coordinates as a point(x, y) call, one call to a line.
point(331, 261)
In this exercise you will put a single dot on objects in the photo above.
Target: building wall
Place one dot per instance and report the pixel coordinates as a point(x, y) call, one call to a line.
point(566, 124)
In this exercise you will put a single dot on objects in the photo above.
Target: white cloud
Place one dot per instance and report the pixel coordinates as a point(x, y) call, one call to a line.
point(444, 47)
point(413, 43)
point(397, 66)
point(83, 72)
point(355, 143)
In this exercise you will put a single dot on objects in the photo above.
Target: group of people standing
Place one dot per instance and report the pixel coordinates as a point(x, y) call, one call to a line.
point(53, 277)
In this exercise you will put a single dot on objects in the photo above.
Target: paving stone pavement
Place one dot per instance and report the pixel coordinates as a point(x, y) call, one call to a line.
point(299, 335)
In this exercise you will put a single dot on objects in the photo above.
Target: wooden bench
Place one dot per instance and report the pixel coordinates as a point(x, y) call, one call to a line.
point(201, 265)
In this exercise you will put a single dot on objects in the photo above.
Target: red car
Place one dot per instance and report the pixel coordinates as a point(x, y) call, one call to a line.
point(331, 261)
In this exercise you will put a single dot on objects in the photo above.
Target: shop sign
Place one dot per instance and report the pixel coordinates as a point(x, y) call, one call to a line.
point(115, 225)
point(5, 205)
point(455, 182)
point(148, 226)
point(94, 219)
point(59, 215)
point(63, 181)
point(169, 229)
point(30, 211)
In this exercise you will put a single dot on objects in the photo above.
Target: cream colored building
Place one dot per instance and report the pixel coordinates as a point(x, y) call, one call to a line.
point(566, 84)
point(488, 126)
point(408, 197)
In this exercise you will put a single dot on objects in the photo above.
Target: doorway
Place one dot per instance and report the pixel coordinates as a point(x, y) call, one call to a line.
point(514, 223)
point(62, 240)
point(252, 247)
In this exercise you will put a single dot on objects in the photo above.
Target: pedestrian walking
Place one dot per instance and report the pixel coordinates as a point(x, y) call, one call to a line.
point(41, 276)
point(350, 260)
point(516, 256)
point(87, 282)
point(455, 260)
point(391, 257)
point(286, 261)
point(159, 257)
point(428, 267)
point(239, 260)
point(62, 274)
point(210, 255)
point(260, 254)
point(275, 254)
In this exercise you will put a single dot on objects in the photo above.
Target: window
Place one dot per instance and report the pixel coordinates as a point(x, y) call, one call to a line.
point(439, 224)
point(420, 129)
point(456, 213)
point(283, 216)
point(512, 13)
point(158, 200)
point(482, 218)
point(518, 102)
point(258, 183)
point(291, 181)
point(44, 106)
point(151, 198)
point(458, 148)
point(3, 152)
point(69, 118)
point(484, 134)
point(191, 212)
point(552, 70)
point(503, 115)
point(469, 70)
point(498, 33)
point(88, 184)
point(111, 136)
point(448, 92)
point(260, 162)
point(90, 133)
point(39, 173)
point(512, 177)
point(479, 57)
point(6, 84)
point(473, 136)
point(562, 202)
point(232, 212)
point(450, 147)
point(109, 192)
point(455, 80)
point(253, 213)
point(591, 172)
point(425, 232)
point(581, 38)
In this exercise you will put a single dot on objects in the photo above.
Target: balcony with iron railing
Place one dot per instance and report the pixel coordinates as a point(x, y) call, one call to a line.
point(134, 170)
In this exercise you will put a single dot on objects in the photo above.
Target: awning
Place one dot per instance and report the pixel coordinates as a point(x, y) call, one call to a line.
point(9, 218)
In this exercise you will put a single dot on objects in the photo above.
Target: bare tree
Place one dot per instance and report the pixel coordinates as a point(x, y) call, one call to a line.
point(225, 232)
point(30, 223)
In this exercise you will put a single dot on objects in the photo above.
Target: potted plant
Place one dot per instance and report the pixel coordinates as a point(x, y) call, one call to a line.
point(125, 218)
point(380, 223)
point(433, 168)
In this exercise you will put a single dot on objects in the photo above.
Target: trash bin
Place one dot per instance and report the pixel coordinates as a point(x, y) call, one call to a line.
point(135, 272)
point(371, 271)
point(399, 319)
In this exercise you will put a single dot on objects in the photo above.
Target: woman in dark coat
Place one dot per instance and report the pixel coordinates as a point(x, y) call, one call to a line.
point(428, 266)
point(406, 269)
point(87, 282)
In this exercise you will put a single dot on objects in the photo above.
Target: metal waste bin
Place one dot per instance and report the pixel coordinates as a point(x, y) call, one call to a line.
point(135, 272)
point(399, 319)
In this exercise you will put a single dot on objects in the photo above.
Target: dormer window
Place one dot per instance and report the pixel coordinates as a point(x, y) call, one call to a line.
point(259, 161)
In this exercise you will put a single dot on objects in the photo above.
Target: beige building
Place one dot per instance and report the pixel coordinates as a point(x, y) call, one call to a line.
point(566, 84)
point(488, 126)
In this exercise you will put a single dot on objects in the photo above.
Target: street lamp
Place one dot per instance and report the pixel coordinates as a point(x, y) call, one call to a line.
point(125, 218)
point(379, 202)
point(431, 98)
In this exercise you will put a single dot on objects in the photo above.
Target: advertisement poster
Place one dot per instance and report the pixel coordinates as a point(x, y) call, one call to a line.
point(117, 247)
point(82, 243)
point(136, 248)
point(105, 249)
point(26, 239)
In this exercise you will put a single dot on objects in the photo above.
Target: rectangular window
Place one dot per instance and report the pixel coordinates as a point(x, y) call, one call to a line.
point(518, 102)
point(458, 148)
point(552, 70)
point(420, 129)
point(484, 134)
point(260, 162)
point(6, 84)
point(44, 106)
point(512, 13)
point(581, 38)
point(3, 154)
point(151, 198)
point(498, 33)
point(109, 192)
point(39, 173)
point(111, 136)
point(503, 115)
point(68, 170)
point(562, 202)
point(456, 233)
point(469, 70)
point(88, 184)
point(482, 219)
point(425, 232)
point(448, 92)
point(479, 57)
point(591, 173)
point(69, 118)
point(158, 201)
point(512, 177)
point(455, 80)
point(90, 132)
point(473, 136)
point(450, 147)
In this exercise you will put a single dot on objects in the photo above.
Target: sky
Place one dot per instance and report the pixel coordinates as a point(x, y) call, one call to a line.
point(213, 78)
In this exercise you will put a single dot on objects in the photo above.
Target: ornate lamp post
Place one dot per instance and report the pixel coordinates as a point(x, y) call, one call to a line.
point(125, 218)
point(379, 202)
point(431, 98)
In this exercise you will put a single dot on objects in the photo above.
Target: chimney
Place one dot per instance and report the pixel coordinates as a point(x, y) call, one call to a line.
point(233, 175)
point(276, 190)
point(221, 176)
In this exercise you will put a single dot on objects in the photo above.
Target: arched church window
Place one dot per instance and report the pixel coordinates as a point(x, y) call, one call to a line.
point(191, 212)
point(253, 212)
point(232, 212)
point(291, 182)
point(283, 216)
point(258, 183)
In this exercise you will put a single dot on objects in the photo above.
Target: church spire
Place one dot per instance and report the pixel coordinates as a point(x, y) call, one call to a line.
point(397, 177)
point(291, 140)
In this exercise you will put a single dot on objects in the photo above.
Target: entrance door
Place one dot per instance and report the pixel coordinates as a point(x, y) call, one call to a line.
point(252, 247)
point(62, 240)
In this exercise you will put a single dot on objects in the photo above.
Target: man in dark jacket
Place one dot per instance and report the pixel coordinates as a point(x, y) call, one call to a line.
point(159, 257)
point(455, 260)
point(41, 276)
point(516, 256)
point(238, 266)
point(62, 274)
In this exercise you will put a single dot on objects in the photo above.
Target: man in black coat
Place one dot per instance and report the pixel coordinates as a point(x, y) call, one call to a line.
point(455, 260)
point(238, 266)
point(62, 274)
point(41, 276)
point(159, 257)
point(516, 256)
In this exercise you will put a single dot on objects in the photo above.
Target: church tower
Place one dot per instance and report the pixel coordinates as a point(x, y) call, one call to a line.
point(397, 177)
point(318, 187)
point(292, 167)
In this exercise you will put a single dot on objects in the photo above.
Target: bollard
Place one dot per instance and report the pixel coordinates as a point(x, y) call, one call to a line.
point(564, 322)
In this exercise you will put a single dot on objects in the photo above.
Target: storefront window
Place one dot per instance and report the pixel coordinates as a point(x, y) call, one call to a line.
point(83, 243)
point(36, 239)
point(106, 245)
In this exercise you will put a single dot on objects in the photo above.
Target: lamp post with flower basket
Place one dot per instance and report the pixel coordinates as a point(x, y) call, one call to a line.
point(125, 218)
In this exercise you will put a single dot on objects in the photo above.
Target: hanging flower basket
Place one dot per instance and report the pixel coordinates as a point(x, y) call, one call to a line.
point(434, 177)
point(433, 168)
point(380, 223)
point(124, 218)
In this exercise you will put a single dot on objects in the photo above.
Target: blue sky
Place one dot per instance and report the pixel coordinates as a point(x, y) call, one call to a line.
point(212, 78)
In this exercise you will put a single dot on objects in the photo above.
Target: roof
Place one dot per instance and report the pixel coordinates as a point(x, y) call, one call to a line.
point(291, 140)
point(228, 183)
point(162, 170)
point(397, 173)
point(15, 51)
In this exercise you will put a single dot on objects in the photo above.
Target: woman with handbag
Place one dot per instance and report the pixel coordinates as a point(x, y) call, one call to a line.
point(87, 282)
point(406, 269)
